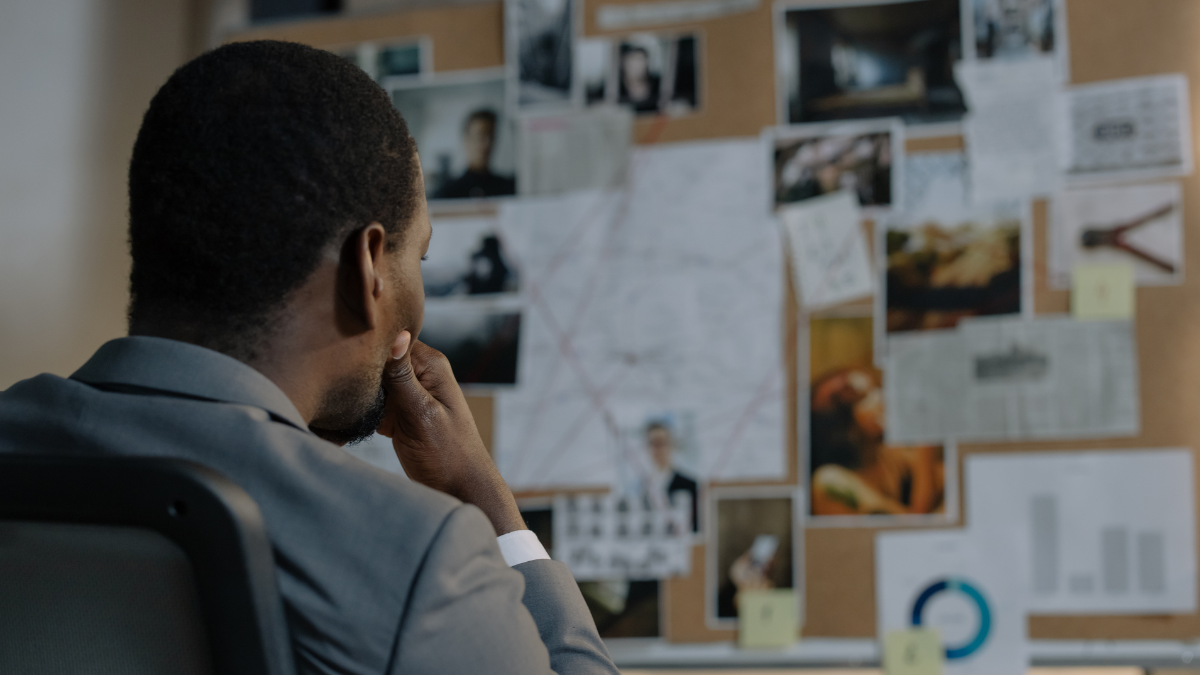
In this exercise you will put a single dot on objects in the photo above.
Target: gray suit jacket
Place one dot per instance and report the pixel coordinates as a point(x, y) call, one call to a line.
point(378, 574)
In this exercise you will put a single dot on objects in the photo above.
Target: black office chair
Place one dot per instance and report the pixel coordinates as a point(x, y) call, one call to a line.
point(136, 566)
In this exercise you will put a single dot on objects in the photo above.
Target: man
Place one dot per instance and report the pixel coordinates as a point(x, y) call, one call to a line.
point(479, 139)
point(277, 225)
point(667, 480)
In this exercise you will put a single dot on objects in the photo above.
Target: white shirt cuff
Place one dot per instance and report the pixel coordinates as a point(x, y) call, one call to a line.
point(521, 546)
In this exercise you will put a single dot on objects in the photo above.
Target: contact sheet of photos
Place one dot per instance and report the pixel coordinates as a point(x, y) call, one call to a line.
point(914, 284)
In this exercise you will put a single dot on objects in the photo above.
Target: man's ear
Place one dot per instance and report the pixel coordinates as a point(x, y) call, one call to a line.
point(360, 279)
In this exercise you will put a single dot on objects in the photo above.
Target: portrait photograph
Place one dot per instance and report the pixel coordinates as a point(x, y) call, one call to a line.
point(467, 257)
point(940, 270)
point(480, 339)
point(465, 141)
point(821, 159)
point(891, 59)
point(1013, 29)
point(658, 73)
point(656, 458)
point(751, 547)
point(855, 478)
point(540, 47)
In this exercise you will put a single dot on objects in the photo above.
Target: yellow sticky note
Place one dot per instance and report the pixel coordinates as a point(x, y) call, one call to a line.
point(767, 618)
point(917, 651)
point(1102, 291)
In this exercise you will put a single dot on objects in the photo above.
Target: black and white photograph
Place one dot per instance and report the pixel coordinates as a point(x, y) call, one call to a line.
point(480, 339)
point(659, 73)
point(467, 257)
point(540, 50)
point(864, 158)
point(465, 140)
point(595, 59)
point(751, 547)
point(891, 59)
point(1012, 29)
point(621, 608)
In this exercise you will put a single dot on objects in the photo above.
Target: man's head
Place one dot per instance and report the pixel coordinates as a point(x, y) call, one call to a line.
point(660, 444)
point(479, 137)
point(635, 64)
point(277, 215)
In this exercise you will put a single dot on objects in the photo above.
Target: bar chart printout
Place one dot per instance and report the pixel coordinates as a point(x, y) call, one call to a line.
point(1108, 532)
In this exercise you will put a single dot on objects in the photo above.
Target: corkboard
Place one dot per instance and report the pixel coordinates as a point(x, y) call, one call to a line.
point(1107, 39)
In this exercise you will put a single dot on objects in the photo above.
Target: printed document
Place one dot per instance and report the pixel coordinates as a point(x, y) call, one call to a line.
point(830, 263)
point(1005, 379)
point(1103, 532)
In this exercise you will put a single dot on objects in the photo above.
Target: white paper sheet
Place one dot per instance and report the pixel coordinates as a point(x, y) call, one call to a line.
point(830, 264)
point(1105, 532)
point(604, 537)
point(962, 586)
point(641, 15)
point(573, 151)
point(668, 294)
point(935, 181)
point(1128, 129)
point(1010, 131)
point(1003, 379)
point(1075, 211)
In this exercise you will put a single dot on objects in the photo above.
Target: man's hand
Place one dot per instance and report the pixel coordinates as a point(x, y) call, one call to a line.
point(435, 437)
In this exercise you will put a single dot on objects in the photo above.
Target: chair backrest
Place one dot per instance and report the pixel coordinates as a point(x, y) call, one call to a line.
point(134, 565)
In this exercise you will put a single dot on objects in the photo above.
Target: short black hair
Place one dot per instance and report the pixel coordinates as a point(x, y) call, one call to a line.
point(251, 161)
point(486, 114)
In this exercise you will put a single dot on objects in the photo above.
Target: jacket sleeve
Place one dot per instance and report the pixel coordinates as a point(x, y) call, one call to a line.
point(465, 613)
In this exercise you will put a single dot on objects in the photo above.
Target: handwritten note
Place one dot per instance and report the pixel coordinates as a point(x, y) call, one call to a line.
point(829, 257)
point(1102, 291)
point(767, 618)
point(917, 651)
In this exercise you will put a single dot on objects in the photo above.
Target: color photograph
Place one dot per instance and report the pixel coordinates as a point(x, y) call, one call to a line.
point(1013, 29)
point(855, 478)
point(820, 159)
point(751, 547)
point(657, 456)
point(941, 270)
point(465, 141)
point(891, 59)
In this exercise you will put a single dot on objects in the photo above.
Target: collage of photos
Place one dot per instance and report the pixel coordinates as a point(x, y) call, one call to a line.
point(753, 547)
point(863, 60)
point(650, 73)
point(472, 307)
point(820, 159)
point(466, 141)
point(940, 270)
point(855, 477)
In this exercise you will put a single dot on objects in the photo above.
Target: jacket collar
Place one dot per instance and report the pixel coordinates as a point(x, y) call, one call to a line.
point(187, 369)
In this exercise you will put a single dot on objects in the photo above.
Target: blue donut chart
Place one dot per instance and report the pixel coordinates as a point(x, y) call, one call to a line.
point(964, 587)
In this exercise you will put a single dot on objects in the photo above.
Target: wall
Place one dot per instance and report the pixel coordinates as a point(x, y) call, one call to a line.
point(75, 78)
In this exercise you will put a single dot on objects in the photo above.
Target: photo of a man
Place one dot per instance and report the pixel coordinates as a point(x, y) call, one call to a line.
point(468, 145)
point(667, 479)
point(478, 141)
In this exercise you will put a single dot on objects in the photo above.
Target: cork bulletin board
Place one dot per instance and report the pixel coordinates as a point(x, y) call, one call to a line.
point(1108, 39)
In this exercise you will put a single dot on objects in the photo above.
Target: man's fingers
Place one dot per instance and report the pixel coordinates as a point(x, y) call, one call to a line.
point(431, 368)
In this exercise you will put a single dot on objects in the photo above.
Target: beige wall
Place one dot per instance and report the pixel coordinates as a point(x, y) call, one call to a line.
point(75, 78)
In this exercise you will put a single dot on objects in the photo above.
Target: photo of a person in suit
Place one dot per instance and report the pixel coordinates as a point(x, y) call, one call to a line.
point(667, 480)
point(478, 140)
